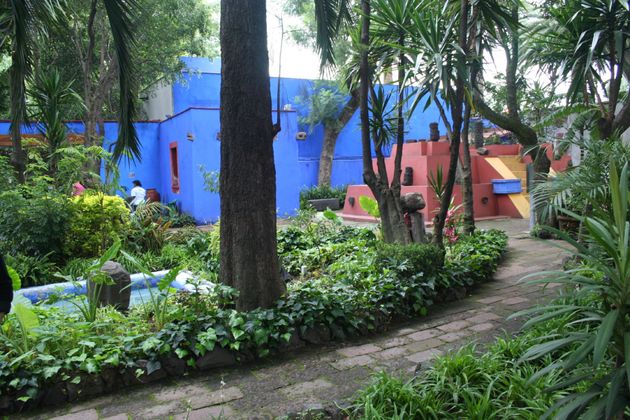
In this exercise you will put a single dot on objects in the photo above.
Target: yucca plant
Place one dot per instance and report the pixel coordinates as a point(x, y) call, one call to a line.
point(596, 356)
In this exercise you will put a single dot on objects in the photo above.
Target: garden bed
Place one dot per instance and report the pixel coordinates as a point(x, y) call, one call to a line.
point(344, 283)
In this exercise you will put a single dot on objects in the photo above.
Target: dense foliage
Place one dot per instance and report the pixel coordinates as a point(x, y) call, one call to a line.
point(96, 221)
point(322, 191)
point(469, 384)
point(362, 288)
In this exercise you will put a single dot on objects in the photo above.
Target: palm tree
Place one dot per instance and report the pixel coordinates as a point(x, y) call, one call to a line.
point(588, 43)
point(22, 20)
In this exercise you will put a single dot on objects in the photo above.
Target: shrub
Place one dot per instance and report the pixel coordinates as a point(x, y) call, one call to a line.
point(33, 270)
point(322, 191)
point(33, 223)
point(97, 220)
point(408, 260)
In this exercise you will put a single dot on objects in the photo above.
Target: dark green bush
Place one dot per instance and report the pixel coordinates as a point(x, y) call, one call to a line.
point(408, 260)
point(33, 224)
point(322, 191)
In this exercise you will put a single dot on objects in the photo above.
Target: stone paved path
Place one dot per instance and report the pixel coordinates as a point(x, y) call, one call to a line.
point(321, 377)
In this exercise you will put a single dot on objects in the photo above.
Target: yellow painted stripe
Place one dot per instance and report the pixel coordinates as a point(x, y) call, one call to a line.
point(521, 203)
point(501, 168)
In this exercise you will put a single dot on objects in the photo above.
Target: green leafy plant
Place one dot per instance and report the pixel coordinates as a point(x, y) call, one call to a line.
point(97, 220)
point(601, 303)
point(322, 191)
point(95, 280)
point(369, 205)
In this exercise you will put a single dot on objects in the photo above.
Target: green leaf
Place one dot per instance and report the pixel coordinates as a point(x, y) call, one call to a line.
point(26, 317)
point(330, 215)
point(369, 205)
point(152, 366)
point(603, 336)
point(612, 402)
point(165, 282)
point(15, 279)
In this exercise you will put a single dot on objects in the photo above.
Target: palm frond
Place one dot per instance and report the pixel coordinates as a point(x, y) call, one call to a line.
point(121, 15)
point(330, 16)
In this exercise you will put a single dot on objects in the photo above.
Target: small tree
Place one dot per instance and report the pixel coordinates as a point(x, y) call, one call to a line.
point(332, 107)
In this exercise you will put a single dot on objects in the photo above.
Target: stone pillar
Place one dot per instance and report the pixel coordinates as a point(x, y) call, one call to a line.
point(412, 203)
point(418, 233)
point(478, 133)
point(434, 132)
point(408, 176)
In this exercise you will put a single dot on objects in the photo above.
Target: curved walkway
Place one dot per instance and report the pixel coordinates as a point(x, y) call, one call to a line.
point(325, 377)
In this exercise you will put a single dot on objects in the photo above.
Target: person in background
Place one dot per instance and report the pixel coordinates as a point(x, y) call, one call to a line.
point(6, 290)
point(138, 193)
point(77, 188)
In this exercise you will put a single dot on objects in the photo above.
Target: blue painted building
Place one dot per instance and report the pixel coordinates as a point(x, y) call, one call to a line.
point(182, 135)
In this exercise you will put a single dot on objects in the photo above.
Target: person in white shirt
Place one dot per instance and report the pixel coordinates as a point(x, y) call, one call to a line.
point(138, 193)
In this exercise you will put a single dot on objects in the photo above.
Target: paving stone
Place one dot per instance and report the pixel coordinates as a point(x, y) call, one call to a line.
point(424, 335)
point(486, 326)
point(359, 350)
point(306, 388)
point(454, 326)
point(176, 393)
point(405, 331)
point(118, 417)
point(483, 317)
point(452, 336)
point(393, 342)
point(351, 362)
point(490, 299)
point(515, 301)
point(160, 411)
point(423, 356)
point(90, 414)
point(206, 413)
point(390, 353)
point(216, 397)
point(423, 345)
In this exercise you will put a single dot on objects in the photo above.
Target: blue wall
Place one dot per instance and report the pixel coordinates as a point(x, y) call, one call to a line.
point(200, 86)
point(205, 149)
point(196, 99)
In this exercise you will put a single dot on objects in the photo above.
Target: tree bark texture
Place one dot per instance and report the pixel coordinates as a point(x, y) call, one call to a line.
point(467, 183)
point(18, 115)
point(330, 139)
point(249, 259)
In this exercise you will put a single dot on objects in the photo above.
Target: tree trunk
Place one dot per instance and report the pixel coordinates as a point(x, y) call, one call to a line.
point(330, 139)
point(18, 116)
point(249, 259)
point(467, 184)
point(394, 228)
point(456, 116)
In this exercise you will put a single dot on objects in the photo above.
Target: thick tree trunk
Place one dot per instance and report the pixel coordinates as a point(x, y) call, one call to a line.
point(330, 139)
point(467, 183)
point(394, 228)
point(249, 259)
